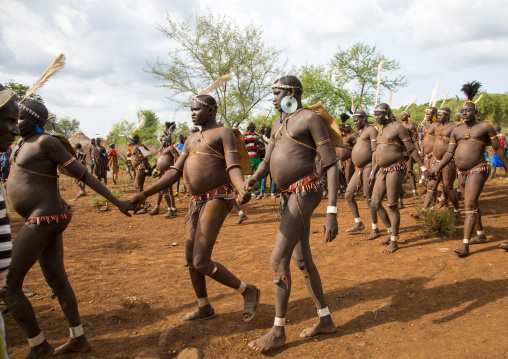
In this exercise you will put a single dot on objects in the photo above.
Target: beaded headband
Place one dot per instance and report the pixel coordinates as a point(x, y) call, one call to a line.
point(216, 106)
point(470, 103)
point(444, 111)
point(30, 111)
point(284, 87)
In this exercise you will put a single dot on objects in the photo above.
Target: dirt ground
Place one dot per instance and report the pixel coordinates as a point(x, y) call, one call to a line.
point(420, 302)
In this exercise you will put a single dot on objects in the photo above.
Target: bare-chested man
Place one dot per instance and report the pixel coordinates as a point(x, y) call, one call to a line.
point(495, 158)
point(346, 166)
point(141, 165)
point(404, 119)
point(33, 193)
point(167, 157)
point(210, 168)
point(392, 141)
point(467, 147)
point(441, 142)
point(290, 159)
point(363, 155)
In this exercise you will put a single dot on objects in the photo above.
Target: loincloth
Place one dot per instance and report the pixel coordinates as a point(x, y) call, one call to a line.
point(482, 167)
point(302, 186)
point(51, 219)
point(225, 192)
point(427, 158)
point(360, 176)
point(400, 166)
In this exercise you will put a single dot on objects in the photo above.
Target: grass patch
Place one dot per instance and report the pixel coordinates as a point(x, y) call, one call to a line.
point(435, 221)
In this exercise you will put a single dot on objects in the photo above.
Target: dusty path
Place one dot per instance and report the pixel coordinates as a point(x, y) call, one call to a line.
point(420, 302)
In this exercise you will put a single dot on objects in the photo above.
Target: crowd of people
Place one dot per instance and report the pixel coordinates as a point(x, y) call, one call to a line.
point(303, 166)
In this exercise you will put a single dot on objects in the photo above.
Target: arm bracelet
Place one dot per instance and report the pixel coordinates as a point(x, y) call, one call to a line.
point(233, 165)
point(176, 168)
point(331, 209)
point(330, 164)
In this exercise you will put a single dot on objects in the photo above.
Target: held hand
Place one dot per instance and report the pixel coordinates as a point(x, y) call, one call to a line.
point(249, 182)
point(125, 207)
point(429, 174)
point(244, 197)
point(330, 227)
point(138, 200)
point(371, 179)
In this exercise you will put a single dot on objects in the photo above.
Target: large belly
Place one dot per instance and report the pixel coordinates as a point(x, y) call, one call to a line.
point(343, 154)
point(469, 155)
point(288, 166)
point(31, 195)
point(439, 149)
point(387, 155)
point(163, 163)
point(428, 144)
point(361, 154)
point(203, 173)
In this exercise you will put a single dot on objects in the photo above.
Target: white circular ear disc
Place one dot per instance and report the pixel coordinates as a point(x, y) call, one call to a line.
point(288, 104)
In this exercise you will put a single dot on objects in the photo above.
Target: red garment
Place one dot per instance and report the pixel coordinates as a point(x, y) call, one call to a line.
point(112, 152)
point(500, 141)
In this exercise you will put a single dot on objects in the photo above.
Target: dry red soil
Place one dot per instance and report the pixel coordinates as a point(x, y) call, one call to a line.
point(420, 302)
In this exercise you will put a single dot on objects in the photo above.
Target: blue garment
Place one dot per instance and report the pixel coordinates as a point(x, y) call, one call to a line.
point(496, 162)
point(262, 188)
point(5, 166)
point(179, 147)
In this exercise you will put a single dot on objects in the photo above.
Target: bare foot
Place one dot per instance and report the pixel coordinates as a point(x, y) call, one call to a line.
point(415, 196)
point(443, 204)
point(416, 215)
point(356, 228)
point(242, 218)
point(203, 313)
point(79, 344)
point(392, 247)
point(386, 240)
point(274, 338)
point(324, 326)
point(463, 250)
point(504, 246)
point(481, 238)
point(373, 235)
point(401, 205)
point(41, 351)
point(154, 211)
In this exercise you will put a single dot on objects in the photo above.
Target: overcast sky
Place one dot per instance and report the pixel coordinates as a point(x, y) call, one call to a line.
point(108, 43)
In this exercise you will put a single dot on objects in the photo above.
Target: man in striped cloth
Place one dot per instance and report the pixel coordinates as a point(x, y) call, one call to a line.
point(252, 140)
point(9, 113)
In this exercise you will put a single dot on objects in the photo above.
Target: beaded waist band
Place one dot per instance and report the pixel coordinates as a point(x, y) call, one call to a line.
point(51, 219)
point(224, 192)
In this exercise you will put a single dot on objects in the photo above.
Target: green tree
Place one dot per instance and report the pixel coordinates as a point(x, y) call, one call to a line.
point(353, 69)
point(64, 126)
point(21, 89)
point(150, 132)
point(120, 132)
point(209, 47)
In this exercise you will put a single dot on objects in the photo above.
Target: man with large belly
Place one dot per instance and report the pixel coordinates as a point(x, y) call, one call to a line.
point(467, 147)
point(297, 134)
point(211, 172)
point(363, 155)
point(33, 193)
point(392, 141)
point(441, 141)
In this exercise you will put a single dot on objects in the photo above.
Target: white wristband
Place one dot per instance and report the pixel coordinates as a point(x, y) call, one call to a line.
point(423, 168)
point(331, 209)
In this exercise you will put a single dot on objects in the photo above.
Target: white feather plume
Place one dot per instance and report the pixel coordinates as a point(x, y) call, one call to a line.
point(446, 96)
point(380, 66)
point(52, 69)
point(412, 102)
point(215, 85)
point(141, 124)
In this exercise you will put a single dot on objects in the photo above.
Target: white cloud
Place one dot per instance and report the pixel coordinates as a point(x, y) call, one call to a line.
point(109, 43)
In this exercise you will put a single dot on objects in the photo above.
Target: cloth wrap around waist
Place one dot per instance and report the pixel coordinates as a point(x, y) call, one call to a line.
point(302, 186)
point(225, 192)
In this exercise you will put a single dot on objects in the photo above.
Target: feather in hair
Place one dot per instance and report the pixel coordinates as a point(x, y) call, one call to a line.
point(471, 89)
point(434, 93)
point(141, 124)
point(352, 101)
point(434, 102)
point(412, 102)
point(52, 69)
point(446, 96)
point(478, 99)
point(214, 86)
point(381, 64)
